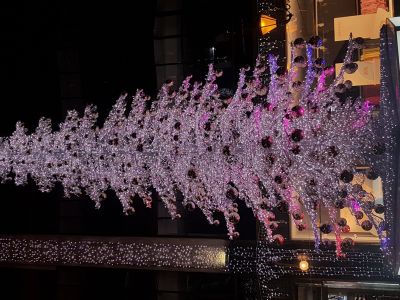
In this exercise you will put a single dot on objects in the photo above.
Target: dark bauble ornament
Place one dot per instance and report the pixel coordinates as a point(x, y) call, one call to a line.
point(319, 62)
point(296, 85)
point(231, 194)
point(280, 72)
point(317, 71)
point(270, 159)
point(298, 216)
point(300, 61)
point(340, 88)
point(366, 225)
point(379, 208)
point(359, 42)
point(347, 244)
point(378, 149)
point(326, 228)
point(348, 84)
point(177, 125)
point(357, 188)
point(266, 142)
point(234, 218)
point(226, 151)
point(359, 215)
point(297, 111)
point(372, 175)
point(278, 179)
point(192, 173)
point(339, 203)
point(315, 41)
point(343, 194)
point(296, 149)
point(346, 176)
point(346, 229)
point(350, 68)
point(342, 222)
point(282, 207)
point(297, 135)
point(299, 43)
point(333, 151)
point(190, 206)
point(301, 227)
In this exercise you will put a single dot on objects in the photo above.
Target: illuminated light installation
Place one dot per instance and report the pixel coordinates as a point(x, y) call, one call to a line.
point(303, 265)
point(291, 145)
point(267, 24)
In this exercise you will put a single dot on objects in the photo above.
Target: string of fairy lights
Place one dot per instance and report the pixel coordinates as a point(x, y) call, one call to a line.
point(121, 253)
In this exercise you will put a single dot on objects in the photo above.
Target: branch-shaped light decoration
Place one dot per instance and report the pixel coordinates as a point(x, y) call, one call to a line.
point(287, 145)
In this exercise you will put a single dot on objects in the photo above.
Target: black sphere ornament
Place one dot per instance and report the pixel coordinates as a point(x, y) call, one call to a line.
point(266, 142)
point(366, 225)
point(297, 135)
point(379, 209)
point(296, 149)
point(278, 179)
point(231, 194)
point(234, 218)
point(340, 88)
point(226, 151)
point(378, 149)
point(315, 41)
point(298, 216)
point(350, 68)
point(298, 111)
point(317, 71)
point(192, 174)
point(333, 151)
point(342, 222)
point(372, 175)
point(301, 227)
point(296, 85)
point(346, 176)
point(343, 194)
point(299, 43)
point(339, 203)
point(281, 71)
point(359, 42)
point(347, 244)
point(319, 62)
point(190, 206)
point(359, 215)
point(348, 84)
point(326, 228)
point(177, 125)
point(300, 61)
